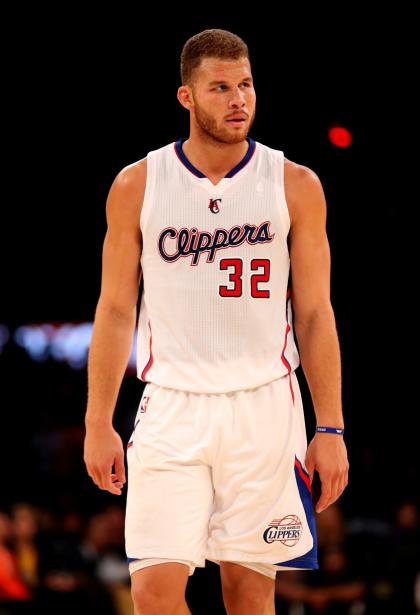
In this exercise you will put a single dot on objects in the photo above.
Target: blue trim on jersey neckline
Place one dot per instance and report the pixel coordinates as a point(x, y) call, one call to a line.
point(197, 173)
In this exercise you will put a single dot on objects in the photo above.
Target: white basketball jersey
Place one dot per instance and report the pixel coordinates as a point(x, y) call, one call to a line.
point(215, 312)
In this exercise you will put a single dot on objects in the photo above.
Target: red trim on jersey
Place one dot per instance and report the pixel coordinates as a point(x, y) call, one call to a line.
point(150, 361)
point(304, 475)
point(129, 444)
point(283, 358)
point(291, 387)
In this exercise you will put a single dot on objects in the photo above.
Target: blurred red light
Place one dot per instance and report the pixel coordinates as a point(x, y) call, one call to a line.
point(340, 136)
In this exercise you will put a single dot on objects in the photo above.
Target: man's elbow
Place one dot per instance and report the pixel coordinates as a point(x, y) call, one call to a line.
point(320, 315)
point(116, 310)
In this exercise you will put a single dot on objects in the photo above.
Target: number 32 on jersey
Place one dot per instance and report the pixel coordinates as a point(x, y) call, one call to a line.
point(236, 270)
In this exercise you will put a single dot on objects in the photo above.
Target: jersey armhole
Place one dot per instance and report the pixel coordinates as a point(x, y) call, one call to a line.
point(282, 192)
point(148, 191)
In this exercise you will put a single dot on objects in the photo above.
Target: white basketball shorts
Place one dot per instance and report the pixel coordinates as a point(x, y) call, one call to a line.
point(220, 477)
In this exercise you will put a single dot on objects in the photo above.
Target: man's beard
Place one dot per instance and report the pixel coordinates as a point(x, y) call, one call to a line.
point(209, 128)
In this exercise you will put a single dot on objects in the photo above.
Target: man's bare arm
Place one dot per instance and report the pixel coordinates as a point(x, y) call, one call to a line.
point(315, 326)
point(114, 324)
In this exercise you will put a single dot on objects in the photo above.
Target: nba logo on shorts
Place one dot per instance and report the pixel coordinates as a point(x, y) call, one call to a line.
point(143, 405)
point(287, 530)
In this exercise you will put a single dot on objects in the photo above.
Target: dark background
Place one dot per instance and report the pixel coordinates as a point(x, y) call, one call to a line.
point(87, 95)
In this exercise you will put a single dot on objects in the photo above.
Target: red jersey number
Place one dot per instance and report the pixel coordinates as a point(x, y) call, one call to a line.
point(235, 277)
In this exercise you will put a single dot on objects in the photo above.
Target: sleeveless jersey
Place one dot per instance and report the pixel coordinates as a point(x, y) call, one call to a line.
point(215, 312)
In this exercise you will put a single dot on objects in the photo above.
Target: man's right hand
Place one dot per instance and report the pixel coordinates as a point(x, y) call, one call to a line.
point(104, 448)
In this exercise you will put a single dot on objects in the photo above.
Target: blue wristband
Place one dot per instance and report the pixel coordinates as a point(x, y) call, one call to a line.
point(337, 430)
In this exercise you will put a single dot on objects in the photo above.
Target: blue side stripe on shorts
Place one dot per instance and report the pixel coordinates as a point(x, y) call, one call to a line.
point(310, 559)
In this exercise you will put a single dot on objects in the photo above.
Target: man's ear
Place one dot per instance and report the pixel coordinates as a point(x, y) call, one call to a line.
point(185, 96)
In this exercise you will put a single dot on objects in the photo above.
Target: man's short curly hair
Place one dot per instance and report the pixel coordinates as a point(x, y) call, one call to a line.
point(213, 43)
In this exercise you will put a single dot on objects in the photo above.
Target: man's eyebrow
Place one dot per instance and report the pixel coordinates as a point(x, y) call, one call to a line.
point(224, 82)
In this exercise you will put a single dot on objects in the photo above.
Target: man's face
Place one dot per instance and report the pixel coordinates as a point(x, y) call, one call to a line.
point(224, 90)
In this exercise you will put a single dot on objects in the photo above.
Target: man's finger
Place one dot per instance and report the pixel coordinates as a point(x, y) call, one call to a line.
point(100, 479)
point(112, 487)
point(335, 490)
point(106, 480)
point(94, 476)
point(115, 481)
point(325, 494)
point(120, 468)
point(343, 482)
point(310, 466)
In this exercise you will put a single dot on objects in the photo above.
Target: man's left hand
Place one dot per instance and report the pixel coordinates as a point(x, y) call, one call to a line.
point(327, 454)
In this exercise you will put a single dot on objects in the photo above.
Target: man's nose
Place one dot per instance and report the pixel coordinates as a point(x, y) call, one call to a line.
point(238, 98)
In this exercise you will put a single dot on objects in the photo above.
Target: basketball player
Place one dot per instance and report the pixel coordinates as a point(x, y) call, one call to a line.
point(218, 462)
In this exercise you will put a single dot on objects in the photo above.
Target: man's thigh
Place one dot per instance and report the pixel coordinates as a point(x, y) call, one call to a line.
point(263, 507)
point(170, 491)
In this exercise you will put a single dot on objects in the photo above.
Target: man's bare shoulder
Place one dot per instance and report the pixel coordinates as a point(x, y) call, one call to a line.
point(298, 177)
point(302, 187)
point(126, 194)
point(131, 180)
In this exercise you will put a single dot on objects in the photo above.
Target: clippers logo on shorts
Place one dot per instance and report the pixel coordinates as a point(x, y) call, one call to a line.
point(287, 531)
point(214, 207)
point(176, 243)
point(143, 405)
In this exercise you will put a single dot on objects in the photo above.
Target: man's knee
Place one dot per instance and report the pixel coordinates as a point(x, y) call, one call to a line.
point(159, 589)
point(246, 589)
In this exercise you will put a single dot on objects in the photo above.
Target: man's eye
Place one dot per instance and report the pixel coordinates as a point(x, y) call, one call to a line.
point(224, 87)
